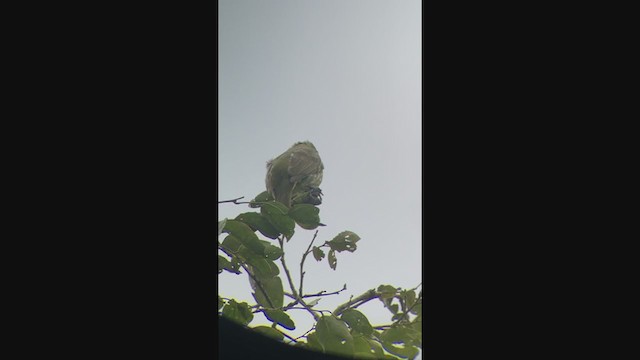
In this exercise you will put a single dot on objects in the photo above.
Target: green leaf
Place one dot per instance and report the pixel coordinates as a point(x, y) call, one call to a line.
point(231, 244)
point(245, 235)
point(357, 321)
point(415, 327)
point(363, 355)
point(362, 349)
point(346, 240)
point(394, 308)
point(224, 264)
point(276, 214)
point(386, 294)
point(263, 268)
point(305, 215)
point(280, 317)
point(417, 308)
point(405, 337)
point(409, 297)
point(376, 347)
point(361, 345)
point(238, 312)
point(270, 332)
point(389, 357)
point(386, 291)
point(333, 261)
point(275, 292)
point(313, 342)
point(408, 352)
point(235, 265)
point(400, 334)
point(334, 336)
point(262, 197)
point(271, 252)
point(257, 222)
point(221, 226)
point(318, 254)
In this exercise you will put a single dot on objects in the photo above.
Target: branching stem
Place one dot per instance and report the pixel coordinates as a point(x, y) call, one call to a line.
point(305, 334)
point(285, 334)
point(293, 288)
point(405, 315)
point(251, 275)
point(304, 257)
point(365, 297)
point(325, 293)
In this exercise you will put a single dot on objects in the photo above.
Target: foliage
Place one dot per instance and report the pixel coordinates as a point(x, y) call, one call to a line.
point(344, 331)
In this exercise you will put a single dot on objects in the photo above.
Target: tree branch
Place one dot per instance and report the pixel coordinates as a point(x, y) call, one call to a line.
point(235, 201)
point(405, 315)
point(250, 274)
point(264, 292)
point(367, 296)
point(417, 286)
point(305, 334)
point(381, 327)
point(325, 293)
point(304, 257)
point(293, 288)
point(286, 269)
point(283, 333)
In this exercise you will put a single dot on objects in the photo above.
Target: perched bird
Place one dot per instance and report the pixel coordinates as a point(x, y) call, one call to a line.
point(295, 176)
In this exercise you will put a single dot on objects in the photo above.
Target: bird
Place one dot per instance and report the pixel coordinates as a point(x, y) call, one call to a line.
point(294, 176)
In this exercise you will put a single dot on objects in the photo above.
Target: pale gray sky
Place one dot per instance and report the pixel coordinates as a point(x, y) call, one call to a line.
point(345, 75)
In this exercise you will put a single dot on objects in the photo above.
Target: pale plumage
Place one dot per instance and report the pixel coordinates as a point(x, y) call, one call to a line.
point(295, 176)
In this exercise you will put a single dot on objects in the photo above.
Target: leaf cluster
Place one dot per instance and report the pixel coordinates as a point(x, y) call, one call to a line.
point(345, 331)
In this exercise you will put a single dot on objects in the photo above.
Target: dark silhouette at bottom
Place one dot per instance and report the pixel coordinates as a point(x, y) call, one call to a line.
point(237, 342)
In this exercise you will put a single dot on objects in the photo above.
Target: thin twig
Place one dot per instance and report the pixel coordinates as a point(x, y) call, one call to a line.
point(315, 316)
point(305, 334)
point(293, 288)
point(417, 286)
point(235, 201)
point(285, 334)
point(325, 293)
point(294, 308)
point(362, 302)
point(258, 284)
point(286, 269)
point(304, 257)
point(415, 302)
point(381, 327)
point(405, 314)
point(367, 296)
point(291, 304)
point(251, 275)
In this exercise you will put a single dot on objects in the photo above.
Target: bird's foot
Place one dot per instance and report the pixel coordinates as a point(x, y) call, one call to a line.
point(315, 196)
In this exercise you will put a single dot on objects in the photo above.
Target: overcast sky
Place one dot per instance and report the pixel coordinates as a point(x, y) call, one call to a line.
point(345, 75)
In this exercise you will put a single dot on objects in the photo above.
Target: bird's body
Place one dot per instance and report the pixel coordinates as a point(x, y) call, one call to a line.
point(295, 176)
